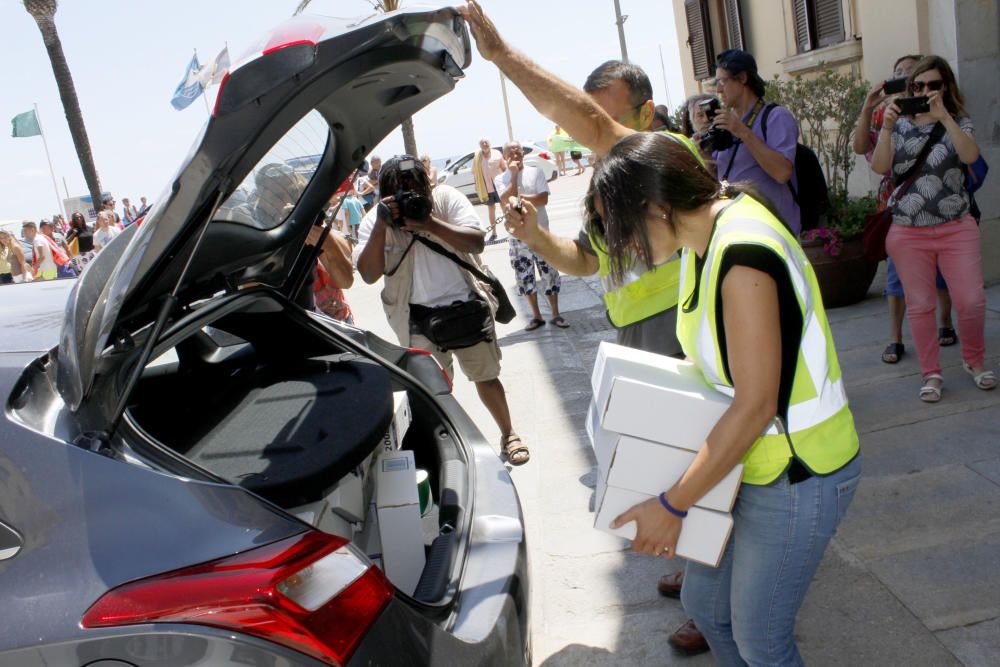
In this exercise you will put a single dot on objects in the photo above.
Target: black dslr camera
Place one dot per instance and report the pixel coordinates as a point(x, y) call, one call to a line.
point(715, 139)
point(413, 205)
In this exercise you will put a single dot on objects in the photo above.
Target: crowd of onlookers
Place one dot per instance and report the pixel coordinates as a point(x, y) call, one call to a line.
point(53, 248)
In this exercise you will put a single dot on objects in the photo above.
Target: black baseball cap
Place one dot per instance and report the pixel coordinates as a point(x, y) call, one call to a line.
point(736, 61)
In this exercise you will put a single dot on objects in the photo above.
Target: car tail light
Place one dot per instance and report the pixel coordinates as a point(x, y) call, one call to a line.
point(314, 593)
point(447, 378)
point(544, 156)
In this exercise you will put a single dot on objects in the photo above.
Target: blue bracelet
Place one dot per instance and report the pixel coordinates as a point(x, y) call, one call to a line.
point(670, 508)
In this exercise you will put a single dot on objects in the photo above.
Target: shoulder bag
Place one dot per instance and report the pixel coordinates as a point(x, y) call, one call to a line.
point(505, 309)
point(877, 224)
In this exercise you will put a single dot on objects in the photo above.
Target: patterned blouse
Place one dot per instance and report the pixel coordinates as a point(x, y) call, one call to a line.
point(938, 194)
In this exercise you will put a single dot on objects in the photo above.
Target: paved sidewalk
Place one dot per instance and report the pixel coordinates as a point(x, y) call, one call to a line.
point(913, 577)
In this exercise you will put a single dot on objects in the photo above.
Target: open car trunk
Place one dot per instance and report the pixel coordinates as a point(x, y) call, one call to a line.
point(265, 397)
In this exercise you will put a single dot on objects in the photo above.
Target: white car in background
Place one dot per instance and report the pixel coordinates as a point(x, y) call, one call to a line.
point(458, 172)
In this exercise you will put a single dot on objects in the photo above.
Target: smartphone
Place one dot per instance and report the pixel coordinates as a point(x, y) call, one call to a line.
point(893, 86)
point(909, 106)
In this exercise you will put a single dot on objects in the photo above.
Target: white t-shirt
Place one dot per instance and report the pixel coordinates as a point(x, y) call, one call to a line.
point(437, 281)
point(103, 237)
point(531, 181)
point(43, 254)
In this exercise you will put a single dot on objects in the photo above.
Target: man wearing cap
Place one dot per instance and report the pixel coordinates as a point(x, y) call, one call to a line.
point(763, 152)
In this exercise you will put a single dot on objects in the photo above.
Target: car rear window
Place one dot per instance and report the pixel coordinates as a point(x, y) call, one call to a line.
point(269, 193)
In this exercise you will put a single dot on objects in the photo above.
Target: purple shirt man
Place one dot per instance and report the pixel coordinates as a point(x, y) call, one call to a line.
point(782, 136)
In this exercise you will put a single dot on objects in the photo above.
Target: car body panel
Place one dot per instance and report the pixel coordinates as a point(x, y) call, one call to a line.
point(92, 511)
point(32, 314)
point(90, 523)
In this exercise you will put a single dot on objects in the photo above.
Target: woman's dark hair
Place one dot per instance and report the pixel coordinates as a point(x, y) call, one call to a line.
point(687, 125)
point(643, 169)
point(77, 220)
point(952, 96)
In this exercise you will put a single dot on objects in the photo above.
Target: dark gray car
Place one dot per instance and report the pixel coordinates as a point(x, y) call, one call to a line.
point(155, 460)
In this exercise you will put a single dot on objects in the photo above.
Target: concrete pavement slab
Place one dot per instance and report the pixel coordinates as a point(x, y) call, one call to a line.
point(932, 443)
point(850, 618)
point(948, 585)
point(938, 508)
point(989, 468)
point(975, 645)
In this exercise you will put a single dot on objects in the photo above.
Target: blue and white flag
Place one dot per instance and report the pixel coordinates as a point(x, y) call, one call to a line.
point(215, 70)
point(190, 86)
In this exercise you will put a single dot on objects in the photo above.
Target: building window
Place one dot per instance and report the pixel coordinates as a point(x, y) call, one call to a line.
point(734, 24)
point(700, 38)
point(818, 23)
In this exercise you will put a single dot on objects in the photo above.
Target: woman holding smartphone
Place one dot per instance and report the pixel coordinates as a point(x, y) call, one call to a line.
point(865, 137)
point(932, 222)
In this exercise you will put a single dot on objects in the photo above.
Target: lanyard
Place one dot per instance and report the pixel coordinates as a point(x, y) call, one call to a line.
point(732, 158)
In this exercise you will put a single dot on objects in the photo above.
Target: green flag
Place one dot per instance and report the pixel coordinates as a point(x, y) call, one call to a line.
point(25, 125)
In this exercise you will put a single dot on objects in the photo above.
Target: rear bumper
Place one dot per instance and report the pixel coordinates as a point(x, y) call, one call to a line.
point(487, 622)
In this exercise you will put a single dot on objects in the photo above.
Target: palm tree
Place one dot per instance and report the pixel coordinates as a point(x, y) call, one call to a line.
point(44, 12)
point(409, 138)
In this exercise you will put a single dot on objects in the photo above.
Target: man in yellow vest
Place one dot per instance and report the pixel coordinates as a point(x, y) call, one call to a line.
point(643, 306)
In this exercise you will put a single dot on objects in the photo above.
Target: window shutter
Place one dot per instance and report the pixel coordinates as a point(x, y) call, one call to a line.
point(700, 38)
point(802, 37)
point(829, 22)
point(734, 24)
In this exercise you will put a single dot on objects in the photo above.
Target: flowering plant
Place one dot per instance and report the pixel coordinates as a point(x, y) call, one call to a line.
point(845, 220)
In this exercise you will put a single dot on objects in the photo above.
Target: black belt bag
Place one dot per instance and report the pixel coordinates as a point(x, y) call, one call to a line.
point(462, 324)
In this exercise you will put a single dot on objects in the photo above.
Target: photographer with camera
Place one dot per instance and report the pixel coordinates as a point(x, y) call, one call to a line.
point(419, 238)
point(749, 141)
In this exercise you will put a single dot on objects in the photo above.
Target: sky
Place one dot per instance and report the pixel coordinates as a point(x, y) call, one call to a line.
point(128, 56)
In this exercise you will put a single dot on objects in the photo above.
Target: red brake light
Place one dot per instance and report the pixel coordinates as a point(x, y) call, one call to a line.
point(313, 593)
point(545, 156)
point(293, 32)
point(218, 95)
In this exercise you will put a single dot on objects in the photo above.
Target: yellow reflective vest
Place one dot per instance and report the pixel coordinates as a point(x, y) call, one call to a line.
point(820, 430)
point(643, 292)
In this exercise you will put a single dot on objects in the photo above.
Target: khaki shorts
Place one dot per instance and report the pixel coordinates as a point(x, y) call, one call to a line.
point(480, 363)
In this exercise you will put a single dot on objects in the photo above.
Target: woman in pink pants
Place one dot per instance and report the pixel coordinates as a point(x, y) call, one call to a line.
point(932, 226)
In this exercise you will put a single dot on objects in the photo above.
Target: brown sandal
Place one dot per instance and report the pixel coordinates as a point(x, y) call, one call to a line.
point(516, 451)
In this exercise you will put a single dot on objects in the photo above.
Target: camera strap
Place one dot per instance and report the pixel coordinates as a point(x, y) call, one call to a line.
point(753, 117)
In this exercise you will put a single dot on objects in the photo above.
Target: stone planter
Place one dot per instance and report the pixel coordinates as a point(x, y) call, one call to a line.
point(844, 279)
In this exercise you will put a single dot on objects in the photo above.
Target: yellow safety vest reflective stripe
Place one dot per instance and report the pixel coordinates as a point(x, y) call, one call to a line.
point(820, 429)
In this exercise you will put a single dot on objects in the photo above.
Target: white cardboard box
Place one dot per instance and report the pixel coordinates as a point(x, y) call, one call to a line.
point(654, 397)
point(401, 418)
point(651, 468)
point(398, 508)
point(704, 533)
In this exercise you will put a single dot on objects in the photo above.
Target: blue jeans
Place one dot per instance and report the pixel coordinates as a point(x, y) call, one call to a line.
point(746, 607)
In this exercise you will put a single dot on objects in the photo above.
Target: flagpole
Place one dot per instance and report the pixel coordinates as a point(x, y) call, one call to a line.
point(204, 97)
point(48, 157)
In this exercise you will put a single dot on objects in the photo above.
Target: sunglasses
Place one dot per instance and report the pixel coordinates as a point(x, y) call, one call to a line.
point(919, 86)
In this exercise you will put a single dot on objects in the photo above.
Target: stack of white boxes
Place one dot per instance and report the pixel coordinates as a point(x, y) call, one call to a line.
point(649, 418)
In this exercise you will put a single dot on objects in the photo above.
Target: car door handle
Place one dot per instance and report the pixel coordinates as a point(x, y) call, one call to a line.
point(10, 542)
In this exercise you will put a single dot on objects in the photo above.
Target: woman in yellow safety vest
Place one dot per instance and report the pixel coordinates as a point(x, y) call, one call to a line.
point(752, 319)
point(743, 278)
